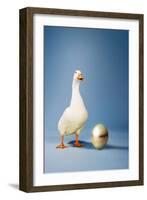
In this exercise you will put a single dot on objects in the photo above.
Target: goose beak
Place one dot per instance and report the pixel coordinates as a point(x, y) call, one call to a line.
point(80, 77)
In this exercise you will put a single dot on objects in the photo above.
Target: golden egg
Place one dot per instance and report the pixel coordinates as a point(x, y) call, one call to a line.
point(99, 136)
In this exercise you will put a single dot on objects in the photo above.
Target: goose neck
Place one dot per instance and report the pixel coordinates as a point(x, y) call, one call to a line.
point(76, 97)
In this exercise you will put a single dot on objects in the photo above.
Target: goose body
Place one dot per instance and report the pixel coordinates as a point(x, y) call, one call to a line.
point(72, 120)
point(75, 116)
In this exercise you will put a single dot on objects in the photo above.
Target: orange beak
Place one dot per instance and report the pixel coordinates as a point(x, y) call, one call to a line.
point(80, 77)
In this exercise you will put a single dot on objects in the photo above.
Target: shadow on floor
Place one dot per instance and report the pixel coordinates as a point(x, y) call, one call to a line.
point(109, 146)
point(14, 185)
point(88, 145)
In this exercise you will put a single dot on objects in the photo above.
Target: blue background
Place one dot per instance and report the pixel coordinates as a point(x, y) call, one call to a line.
point(102, 56)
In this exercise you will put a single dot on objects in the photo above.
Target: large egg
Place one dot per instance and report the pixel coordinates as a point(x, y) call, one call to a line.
point(99, 136)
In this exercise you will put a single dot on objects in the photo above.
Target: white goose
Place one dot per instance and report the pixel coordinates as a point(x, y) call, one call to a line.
point(74, 116)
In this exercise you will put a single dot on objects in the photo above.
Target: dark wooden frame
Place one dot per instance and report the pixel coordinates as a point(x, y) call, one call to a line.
point(26, 99)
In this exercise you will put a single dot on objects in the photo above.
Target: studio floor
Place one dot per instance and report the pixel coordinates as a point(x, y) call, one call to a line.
point(113, 156)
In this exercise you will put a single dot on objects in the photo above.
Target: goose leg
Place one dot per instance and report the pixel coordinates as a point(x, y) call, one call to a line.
point(61, 145)
point(77, 144)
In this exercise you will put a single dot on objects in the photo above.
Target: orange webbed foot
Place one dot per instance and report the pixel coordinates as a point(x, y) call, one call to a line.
point(61, 146)
point(77, 144)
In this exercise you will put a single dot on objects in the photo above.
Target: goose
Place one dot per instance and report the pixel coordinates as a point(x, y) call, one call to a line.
point(75, 116)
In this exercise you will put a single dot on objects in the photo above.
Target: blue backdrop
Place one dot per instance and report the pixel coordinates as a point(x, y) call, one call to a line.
point(102, 56)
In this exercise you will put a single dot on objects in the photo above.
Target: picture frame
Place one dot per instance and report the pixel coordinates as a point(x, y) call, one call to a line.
point(27, 143)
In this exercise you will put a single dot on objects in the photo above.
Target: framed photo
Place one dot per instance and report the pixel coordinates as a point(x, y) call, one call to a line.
point(81, 99)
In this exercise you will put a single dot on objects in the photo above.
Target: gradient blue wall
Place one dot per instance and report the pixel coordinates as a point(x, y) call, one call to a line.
point(102, 56)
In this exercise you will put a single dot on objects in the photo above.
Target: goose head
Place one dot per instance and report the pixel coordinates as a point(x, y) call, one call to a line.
point(78, 75)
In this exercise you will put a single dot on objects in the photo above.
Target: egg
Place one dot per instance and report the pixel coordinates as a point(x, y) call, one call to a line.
point(99, 136)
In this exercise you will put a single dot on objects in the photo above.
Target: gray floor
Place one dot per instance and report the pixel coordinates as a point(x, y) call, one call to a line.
point(71, 159)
